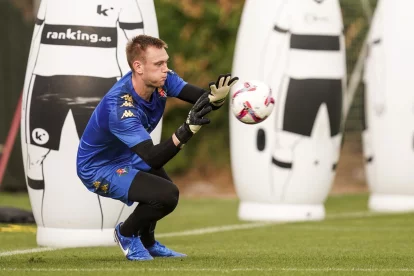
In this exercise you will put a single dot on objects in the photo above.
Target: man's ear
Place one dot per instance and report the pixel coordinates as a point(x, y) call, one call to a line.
point(137, 65)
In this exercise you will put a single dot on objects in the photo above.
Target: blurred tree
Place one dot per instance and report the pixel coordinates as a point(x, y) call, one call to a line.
point(26, 9)
point(201, 36)
point(16, 26)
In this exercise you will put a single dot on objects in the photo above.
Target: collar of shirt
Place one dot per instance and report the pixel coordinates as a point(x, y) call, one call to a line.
point(130, 88)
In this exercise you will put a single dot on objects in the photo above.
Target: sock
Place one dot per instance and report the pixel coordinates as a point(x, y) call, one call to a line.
point(128, 228)
point(147, 235)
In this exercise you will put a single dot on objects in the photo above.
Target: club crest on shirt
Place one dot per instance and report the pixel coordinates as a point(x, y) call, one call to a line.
point(122, 171)
point(127, 98)
point(161, 92)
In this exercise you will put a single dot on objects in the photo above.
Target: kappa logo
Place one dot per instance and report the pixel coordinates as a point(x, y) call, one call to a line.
point(127, 114)
point(128, 101)
point(127, 104)
point(40, 136)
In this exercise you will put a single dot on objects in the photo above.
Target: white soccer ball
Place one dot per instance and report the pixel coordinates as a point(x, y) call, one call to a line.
point(252, 101)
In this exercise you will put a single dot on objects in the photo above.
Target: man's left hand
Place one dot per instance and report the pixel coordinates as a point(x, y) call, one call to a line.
point(220, 89)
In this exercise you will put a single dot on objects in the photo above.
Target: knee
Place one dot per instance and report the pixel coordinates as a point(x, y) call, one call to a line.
point(170, 198)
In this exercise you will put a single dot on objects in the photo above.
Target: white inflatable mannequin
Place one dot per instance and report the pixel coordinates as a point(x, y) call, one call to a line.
point(388, 137)
point(303, 60)
point(77, 54)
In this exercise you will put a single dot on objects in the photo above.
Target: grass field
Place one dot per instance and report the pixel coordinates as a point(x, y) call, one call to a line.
point(351, 241)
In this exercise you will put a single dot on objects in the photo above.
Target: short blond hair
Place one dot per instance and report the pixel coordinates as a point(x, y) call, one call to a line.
point(135, 48)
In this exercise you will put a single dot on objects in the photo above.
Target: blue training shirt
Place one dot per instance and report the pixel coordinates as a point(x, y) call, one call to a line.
point(120, 121)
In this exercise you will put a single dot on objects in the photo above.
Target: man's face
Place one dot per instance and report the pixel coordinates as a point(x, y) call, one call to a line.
point(154, 69)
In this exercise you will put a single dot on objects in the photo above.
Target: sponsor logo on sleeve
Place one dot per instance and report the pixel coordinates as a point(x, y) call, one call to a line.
point(127, 101)
point(127, 114)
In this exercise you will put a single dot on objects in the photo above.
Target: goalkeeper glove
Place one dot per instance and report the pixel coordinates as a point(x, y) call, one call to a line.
point(195, 120)
point(220, 89)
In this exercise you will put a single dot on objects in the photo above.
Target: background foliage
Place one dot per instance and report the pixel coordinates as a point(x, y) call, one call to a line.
point(201, 36)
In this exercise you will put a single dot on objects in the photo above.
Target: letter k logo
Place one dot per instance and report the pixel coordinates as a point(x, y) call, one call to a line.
point(40, 136)
point(103, 11)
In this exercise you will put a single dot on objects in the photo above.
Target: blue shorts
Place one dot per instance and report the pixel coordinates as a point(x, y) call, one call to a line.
point(115, 185)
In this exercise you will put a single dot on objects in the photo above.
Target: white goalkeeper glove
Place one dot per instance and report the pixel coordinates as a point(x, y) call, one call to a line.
point(220, 89)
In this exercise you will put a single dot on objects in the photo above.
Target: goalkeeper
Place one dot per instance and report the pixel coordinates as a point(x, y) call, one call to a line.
point(116, 156)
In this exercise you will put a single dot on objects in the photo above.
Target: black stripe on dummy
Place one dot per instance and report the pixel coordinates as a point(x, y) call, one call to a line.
point(377, 41)
point(39, 21)
point(281, 164)
point(87, 36)
point(303, 100)
point(261, 139)
point(131, 26)
point(315, 42)
point(279, 30)
point(364, 111)
point(36, 184)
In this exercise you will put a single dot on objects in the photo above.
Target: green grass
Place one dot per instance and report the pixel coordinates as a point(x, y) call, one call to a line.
point(350, 241)
point(20, 200)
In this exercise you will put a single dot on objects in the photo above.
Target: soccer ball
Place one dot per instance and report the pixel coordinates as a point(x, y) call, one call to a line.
point(252, 101)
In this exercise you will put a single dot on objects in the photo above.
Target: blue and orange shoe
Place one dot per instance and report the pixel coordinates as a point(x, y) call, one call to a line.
point(132, 247)
point(159, 250)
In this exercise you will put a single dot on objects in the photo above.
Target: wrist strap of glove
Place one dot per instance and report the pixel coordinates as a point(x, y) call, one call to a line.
point(217, 104)
point(183, 134)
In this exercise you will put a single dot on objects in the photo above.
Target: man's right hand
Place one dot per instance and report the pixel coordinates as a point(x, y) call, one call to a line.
point(195, 119)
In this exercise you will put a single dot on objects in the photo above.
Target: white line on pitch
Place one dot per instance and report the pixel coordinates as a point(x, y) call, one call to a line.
point(208, 230)
point(26, 251)
point(225, 228)
point(217, 229)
